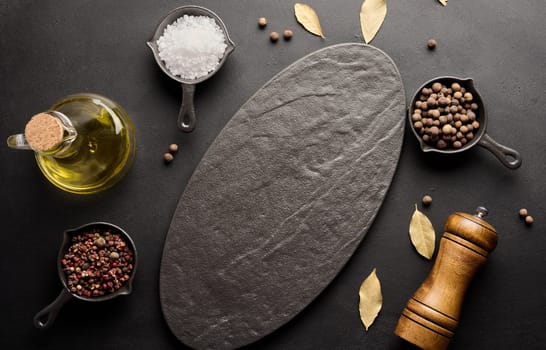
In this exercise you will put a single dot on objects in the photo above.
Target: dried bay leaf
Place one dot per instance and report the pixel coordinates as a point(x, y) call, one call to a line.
point(308, 18)
point(371, 299)
point(422, 234)
point(372, 15)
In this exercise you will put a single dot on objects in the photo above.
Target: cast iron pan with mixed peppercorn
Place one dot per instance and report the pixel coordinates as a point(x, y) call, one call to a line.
point(443, 110)
point(96, 262)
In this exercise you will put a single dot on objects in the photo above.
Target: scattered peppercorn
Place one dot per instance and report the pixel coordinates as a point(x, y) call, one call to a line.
point(523, 212)
point(173, 148)
point(529, 220)
point(167, 157)
point(274, 36)
point(262, 22)
point(427, 200)
point(287, 34)
point(97, 263)
point(431, 44)
point(444, 117)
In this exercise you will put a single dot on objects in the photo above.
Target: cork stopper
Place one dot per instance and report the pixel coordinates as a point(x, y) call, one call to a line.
point(44, 132)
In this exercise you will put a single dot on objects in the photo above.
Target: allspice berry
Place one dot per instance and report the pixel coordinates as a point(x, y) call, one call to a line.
point(523, 212)
point(167, 157)
point(100, 242)
point(436, 87)
point(262, 22)
point(431, 44)
point(446, 129)
point(173, 148)
point(287, 34)
point(529, 220)
point(427, 200)
point(274, 36)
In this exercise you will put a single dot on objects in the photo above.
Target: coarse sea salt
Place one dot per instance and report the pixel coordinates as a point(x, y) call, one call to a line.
point(192, 46)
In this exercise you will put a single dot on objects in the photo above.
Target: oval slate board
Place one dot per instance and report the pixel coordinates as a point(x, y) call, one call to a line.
point(283, 197)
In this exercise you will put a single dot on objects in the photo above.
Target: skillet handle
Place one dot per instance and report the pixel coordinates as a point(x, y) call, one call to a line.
point(44, 319)
point(509, 157)
point(186, 116)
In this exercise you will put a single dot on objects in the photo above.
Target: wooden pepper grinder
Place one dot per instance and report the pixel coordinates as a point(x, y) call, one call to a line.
point(431, 315)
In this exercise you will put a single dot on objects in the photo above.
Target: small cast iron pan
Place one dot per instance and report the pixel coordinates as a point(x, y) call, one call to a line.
point(507, 156)
point(186, 115)
point(44, 319)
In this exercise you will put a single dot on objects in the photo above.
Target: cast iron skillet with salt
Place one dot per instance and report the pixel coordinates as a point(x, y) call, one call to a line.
point(186, 115)
point(507, 156)
point(44, 319)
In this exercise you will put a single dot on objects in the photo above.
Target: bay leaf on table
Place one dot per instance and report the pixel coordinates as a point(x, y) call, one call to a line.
point(308, 18)
point(371, 299)
point(422, 234)
point(372, 15)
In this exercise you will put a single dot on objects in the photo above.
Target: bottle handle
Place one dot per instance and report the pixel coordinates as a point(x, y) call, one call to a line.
point(18, 141)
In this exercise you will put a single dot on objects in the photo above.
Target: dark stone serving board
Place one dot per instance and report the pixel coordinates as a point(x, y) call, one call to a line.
point(283, 197)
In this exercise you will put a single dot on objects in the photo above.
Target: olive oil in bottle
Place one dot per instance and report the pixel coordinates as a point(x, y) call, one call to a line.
point(84, 144)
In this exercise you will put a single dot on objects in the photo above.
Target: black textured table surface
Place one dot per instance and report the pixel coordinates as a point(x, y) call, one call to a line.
point(54, 48)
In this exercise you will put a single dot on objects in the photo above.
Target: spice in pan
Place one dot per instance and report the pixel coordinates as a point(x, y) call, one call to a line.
point(192, 46)
point(97, 263)
point(445, 116)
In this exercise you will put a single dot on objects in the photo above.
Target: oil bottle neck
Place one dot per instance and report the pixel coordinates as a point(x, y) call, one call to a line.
point(49, 133)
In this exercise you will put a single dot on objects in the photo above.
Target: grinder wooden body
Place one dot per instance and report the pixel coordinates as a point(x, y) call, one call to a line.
point(431, 315)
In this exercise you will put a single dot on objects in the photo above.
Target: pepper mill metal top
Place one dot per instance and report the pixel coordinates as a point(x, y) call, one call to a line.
point(432, 314)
